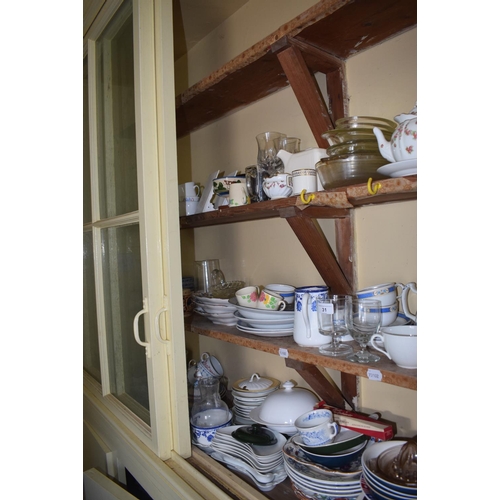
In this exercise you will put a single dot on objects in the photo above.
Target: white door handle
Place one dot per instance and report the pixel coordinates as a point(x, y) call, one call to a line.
point(136, 327)
point(157, 326)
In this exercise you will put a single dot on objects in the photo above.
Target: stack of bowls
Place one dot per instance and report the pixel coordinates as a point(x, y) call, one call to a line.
point(311, 480)
point(250, 393)
point(379, 481)
point(219, 311)
point(263, 322)
point(353, 154)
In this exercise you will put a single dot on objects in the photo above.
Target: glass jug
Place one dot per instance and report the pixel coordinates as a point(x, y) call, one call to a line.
point(269, 144)
point(210, 410)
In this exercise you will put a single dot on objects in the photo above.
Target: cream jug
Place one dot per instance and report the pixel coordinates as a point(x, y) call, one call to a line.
point(305, 325)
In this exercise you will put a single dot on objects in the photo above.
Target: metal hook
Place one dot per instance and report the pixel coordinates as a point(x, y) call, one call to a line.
point(307, 200)
point(375, 188)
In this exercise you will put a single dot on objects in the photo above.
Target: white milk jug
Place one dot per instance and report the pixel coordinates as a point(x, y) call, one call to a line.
point(305, 326)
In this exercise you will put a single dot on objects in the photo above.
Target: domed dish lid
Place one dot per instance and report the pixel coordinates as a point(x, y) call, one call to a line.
point(282, 407)
point(255, 434)
point(255, 383)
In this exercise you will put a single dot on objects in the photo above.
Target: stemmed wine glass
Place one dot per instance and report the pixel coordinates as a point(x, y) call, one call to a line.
point(332, 321)
point(363, 321)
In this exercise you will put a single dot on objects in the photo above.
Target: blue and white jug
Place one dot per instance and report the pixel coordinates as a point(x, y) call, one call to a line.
point(305, 326)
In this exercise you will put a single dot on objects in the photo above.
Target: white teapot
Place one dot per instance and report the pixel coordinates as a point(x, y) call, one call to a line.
point(403, 143)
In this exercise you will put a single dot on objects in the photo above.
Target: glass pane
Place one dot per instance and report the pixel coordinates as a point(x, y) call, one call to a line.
point(87, 213)
point(122, 301)
point(90, 339)
point(116, 117)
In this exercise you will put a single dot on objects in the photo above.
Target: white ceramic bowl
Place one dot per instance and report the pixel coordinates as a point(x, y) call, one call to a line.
point(284, 406)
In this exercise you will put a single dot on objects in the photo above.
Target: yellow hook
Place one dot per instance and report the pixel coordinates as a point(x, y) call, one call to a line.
point(307, 200)
point(375, 188)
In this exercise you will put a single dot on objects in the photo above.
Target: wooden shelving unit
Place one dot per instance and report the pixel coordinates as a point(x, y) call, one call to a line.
point(321, 39)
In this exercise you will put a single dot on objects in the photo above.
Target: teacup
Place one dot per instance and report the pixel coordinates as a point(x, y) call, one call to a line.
point(387, 294)
point(209, 366)
point(389, 314)
point(317, 427)
point(304, 178)
point(286, 291)
point(271, 301)
point(278, 186)
point(248, 296)
point(400, 344)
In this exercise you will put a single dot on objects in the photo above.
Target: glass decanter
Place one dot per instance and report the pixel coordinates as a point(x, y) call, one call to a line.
point(210, 410)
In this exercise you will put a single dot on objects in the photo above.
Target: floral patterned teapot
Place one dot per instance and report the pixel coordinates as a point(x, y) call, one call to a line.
point(403, 144)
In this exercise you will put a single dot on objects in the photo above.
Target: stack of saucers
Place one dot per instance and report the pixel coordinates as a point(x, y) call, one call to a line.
point(317, 482)
point(219, 311)
point(250, 393)
point(389, 474)
point(263, 463)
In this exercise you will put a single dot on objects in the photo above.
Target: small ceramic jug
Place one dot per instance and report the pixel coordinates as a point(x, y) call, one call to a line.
point(305, 325)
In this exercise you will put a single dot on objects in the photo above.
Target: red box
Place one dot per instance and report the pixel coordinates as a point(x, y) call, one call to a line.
point(381, 429)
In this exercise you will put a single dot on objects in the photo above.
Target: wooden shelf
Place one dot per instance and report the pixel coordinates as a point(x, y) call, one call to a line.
point(390, 373)
point(326, 35)
point(332, 204)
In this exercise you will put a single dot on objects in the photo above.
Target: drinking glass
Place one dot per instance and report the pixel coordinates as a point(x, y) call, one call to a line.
point(333, 315)
point(364, 320)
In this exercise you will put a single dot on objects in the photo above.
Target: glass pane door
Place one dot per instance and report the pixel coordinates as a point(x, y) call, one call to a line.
point(132, 238)
point(121, 252)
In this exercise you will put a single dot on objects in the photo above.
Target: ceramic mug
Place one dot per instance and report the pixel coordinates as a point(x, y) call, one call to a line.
point(286, 291)
point(270, 301)
point(304, 178)
point(305, 324)
point(248, 296)
point(209, 366)
point(400, 344)
point(191, 205)
point(238, 195)
point(189, 190)
point(317, 427)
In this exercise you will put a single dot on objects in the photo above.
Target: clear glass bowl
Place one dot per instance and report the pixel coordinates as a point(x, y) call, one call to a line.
point(354, 147)
point(347, 170)
point(365, 122)
point(350, 134)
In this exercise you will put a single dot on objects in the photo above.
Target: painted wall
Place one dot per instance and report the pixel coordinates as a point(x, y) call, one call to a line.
point(381, 82)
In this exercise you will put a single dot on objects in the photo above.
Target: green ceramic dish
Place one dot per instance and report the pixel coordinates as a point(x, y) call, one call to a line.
point(344, 440)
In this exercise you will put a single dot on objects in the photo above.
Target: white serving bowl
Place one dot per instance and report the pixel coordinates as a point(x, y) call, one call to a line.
point(202, 436)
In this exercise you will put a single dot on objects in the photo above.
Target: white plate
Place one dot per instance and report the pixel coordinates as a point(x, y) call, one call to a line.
point(259, 323)
point(399, 168)
point(265, 332)
point(210, 300)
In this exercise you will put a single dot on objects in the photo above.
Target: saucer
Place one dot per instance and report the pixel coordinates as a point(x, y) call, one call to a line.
point(399, 168)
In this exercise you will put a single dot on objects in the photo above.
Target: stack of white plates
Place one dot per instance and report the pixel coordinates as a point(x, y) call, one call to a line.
point(219, 311)
point(316, 482)
point(263, 464)
point(262, 322)
point(245, 400)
